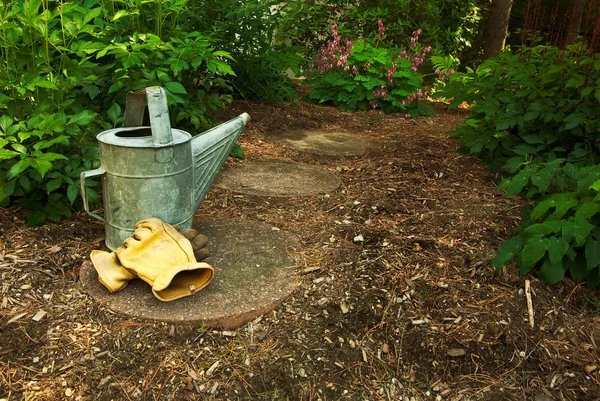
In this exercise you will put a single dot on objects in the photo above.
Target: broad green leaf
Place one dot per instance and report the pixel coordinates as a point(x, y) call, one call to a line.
point(114, 113)
point(6, 154)
point(121, 13)
point(8, 188)
point(514, 163)
point(72, 193)
point(53, 184)
point(557, 249)
point(5, 123)
point(540, 229)
point(534, 250)
point(552, 273)
point(574, 119)
point(542, 179)
point(175, 87)
point(531, 115)
point(41, 166)
point(221, 53)
point(564, 203)
point(237, 152)
point(541, 208)
point(508, 251)
point(51, 157)
point(517, 183)
point(19, 167)
point(577, 230)
point(42, 83)
point(592, 253)
point(25, 183)
point(19, 148)
point(115, 87)
point(586, 210)
point(532, 139)
point(84, 117)
point(596, 186)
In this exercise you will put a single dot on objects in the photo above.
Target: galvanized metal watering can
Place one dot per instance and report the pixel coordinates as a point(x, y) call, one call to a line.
point(156, 171)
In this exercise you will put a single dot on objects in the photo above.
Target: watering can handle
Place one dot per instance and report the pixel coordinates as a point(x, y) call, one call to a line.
point(158, 109)
point(82, 177)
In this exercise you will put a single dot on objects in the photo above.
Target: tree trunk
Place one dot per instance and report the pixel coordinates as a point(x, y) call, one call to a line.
point(574, 22)
point(496, 28)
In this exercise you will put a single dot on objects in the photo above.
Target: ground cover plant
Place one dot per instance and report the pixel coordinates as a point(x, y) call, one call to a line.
point(65, 70)
point(370, 73)
point(535, 117)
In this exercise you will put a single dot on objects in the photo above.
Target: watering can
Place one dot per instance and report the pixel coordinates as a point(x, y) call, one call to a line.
point(156, 171)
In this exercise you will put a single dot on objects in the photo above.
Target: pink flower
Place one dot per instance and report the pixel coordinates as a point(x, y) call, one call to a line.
point(380, 27)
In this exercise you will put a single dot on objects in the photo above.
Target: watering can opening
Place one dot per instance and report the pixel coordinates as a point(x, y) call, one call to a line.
point(135, 133)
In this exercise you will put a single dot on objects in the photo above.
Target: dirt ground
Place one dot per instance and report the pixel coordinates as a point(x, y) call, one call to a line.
point(399, 300)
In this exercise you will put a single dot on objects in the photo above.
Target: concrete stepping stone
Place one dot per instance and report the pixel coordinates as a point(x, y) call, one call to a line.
point(328, 143)
point(253, 275)
point(278, 178)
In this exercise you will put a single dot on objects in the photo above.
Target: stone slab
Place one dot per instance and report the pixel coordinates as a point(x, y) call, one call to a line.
point(278, 178)
point(328, 143)
point(253, 275)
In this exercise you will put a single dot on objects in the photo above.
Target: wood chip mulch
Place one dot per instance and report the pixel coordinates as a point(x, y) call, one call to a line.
point(399, 300)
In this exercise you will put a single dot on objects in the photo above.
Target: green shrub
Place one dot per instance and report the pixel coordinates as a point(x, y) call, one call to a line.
point(534, 106)
point(450, 26)
point(247, 30)
point(65, 69)
point(535, 116)
point(561, 234)
point(367, 74)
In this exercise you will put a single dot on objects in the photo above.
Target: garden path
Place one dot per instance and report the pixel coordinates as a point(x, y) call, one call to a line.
point(398, 298)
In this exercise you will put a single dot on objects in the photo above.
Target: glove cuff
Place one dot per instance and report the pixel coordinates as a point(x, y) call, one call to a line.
point(110, 272)
point(182, 280)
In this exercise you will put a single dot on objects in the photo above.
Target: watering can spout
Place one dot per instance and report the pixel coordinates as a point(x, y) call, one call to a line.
point(209, 151)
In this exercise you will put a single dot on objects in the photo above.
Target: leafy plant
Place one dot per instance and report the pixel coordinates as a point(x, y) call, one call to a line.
point(561, 234)
point(539, 104)
point(367, 74)
point(534, 116)
point(451, 27)
point(64, 71)
point(248, 31)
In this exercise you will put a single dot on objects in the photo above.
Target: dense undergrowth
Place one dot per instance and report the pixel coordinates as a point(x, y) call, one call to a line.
point(535, 118)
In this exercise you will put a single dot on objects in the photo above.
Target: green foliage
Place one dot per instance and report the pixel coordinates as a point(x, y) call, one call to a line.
point(561, 234)
point(247, 30)
point(367, 74)
point(65, 69)
point(538, 105)
point(450, 26)
point(535, 117)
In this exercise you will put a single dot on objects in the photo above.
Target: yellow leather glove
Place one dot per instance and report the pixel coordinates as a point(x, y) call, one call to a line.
point(159, 255)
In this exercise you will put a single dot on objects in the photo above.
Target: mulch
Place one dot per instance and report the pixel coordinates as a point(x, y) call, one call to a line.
point(398, 299)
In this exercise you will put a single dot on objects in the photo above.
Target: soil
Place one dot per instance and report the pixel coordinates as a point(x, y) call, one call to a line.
point(398, 299)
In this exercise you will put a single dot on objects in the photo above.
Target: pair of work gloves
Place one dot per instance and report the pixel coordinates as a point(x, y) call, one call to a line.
point(160, 255)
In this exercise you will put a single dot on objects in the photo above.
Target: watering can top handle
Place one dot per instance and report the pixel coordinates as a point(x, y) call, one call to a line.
point(158, 110)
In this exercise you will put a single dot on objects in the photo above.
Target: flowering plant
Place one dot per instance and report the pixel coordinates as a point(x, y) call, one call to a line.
point(365, 74)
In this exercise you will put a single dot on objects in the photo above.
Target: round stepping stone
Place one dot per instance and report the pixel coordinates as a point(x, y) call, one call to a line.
point(253, 275)
point(329, 143)
point(278, 178)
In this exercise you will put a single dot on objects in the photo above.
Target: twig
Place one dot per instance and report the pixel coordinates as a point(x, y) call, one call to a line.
point(529, 302)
